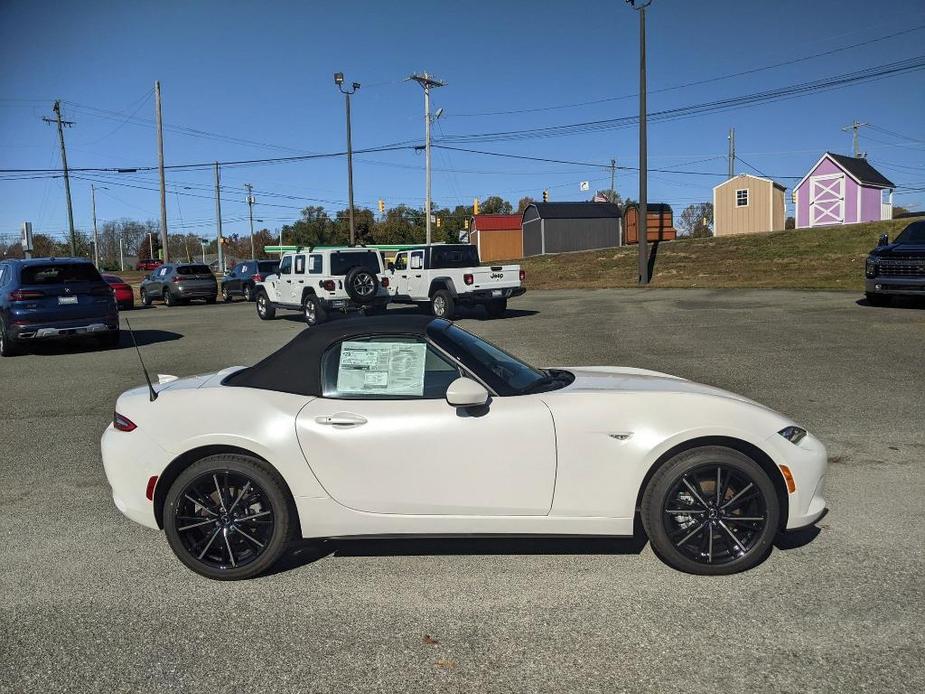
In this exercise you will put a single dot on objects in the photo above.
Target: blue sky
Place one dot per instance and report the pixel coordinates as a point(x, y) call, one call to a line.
point(263, 72)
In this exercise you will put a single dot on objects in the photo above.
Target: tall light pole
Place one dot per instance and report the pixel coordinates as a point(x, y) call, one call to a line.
point(218, 219)
point(250, 209)
point(427, 82)
point(643, 231)
point(160, 167)
point(96, 236)
point(339, 81)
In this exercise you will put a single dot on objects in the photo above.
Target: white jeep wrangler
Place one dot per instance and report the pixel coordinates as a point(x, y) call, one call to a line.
point(442, 276)
point(317, 281)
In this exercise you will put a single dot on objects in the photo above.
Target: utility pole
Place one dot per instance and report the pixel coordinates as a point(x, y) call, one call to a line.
point(96, 236)
point(427, 82)
point(732, 152)
point(339, 81)
point(643, 231)
point(250, 209)
point(160, 166)
point(151, 245)
point(218, 219)
point(854, 126)
point(613, 180)
point(121, 253)
point(67, 181)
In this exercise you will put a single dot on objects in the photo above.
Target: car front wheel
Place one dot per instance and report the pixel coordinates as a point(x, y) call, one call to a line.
point(265, 308)
point(145, 299)
point(226, 296)
point(248, 292)
point(228, 517)
point(711, 510)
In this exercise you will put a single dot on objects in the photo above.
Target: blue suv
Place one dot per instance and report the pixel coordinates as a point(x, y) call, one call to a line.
point(45, 298)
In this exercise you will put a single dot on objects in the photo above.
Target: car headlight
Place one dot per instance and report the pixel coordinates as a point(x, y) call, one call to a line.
point(793, 434)
point(871, 268)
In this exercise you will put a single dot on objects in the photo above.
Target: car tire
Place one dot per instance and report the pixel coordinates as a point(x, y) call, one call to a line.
point(248, 292)
point(700, 527)
point(226, 295)
point(170, 299)
point(228, 517)
point(442, 305)
point(496, 308)
point(879, 299)
point(145, 299)
point(361, 285)
point(313, 311)
point(265, 308)
point(9, 347)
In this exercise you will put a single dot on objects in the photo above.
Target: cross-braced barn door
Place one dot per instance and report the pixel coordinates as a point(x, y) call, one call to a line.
point(827, 199)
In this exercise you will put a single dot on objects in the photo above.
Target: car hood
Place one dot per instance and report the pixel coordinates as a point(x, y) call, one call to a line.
point(901, 249)
point(626, 379)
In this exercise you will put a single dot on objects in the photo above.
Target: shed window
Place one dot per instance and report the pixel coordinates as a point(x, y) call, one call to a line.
point(742, 197)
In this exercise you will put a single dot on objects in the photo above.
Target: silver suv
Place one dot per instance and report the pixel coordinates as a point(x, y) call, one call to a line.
point(178, 283)
point(318, 281)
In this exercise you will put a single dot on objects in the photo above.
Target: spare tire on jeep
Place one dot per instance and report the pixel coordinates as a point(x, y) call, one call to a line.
point(361, 285)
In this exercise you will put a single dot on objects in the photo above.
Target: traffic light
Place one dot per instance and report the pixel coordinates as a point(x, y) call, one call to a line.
point(466, 224)
point(545, 196)
point(439, 222)
point(475, 206)
point(382, 207)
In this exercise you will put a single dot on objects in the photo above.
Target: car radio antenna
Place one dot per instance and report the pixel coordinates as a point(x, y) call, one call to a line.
point(151, 391)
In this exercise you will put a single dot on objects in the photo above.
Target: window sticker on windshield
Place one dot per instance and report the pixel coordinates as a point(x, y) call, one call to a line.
point(382, 368)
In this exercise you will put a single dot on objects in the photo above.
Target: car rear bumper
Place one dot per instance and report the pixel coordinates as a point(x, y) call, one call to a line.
point(63, 329)
point(896, 286)
point(196, 292)
point(130, 459)
point(486, 295)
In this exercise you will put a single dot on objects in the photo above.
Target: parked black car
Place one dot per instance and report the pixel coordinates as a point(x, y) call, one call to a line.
point(898, 268)
point(46, 298)
point(240, 280)
point(177, 283)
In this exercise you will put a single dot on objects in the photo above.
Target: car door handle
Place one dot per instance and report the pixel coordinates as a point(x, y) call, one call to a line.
point(342, 419)
point(301, 281)
point(417, 275)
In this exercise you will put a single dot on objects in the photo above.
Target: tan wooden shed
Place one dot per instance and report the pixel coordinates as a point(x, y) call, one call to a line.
point(747, 204)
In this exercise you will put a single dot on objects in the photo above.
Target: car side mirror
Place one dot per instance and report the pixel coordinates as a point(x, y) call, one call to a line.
point(884, 240)
point(464, 392)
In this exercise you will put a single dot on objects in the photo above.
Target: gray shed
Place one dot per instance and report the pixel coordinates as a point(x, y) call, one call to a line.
point(558, 227)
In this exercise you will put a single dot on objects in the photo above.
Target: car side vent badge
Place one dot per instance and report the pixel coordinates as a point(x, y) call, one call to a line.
point(621, 435)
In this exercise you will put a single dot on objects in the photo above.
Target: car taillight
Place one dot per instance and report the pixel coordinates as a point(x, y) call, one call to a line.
point(105, 290)
point(468, 278)
point(257, 277)
point(328, 285)
point(523, 275)
point(122, 423)
point(25, 294)
point(384, 282)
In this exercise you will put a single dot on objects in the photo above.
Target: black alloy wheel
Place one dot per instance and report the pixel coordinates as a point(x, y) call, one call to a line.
point(711, 510)
point(227, 517)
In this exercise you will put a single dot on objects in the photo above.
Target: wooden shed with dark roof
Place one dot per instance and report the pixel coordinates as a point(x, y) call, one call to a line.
point(659, 224)
point(560, 227)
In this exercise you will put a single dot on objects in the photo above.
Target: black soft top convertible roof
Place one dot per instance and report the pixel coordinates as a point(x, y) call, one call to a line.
point(296, 367)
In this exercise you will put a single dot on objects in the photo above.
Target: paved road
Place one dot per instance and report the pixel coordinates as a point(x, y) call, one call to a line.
point(89, 601)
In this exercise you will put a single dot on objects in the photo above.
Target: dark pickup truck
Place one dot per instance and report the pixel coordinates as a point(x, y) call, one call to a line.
point(898, 268)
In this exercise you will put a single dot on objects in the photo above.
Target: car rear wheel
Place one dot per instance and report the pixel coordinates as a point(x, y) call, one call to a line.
point(248, 292)
point(265, 308)
point(879, 299)
point(228, 517)
point(442, 305)
point(9, 347)
point(313, 311)
point(226, 296)
point(170, 299)
point(711, 510)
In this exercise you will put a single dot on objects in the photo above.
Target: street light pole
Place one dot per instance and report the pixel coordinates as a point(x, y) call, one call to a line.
point(643, 232)
point(250, 209)
point(96, 236)
point(426, 81)
point(339, 81)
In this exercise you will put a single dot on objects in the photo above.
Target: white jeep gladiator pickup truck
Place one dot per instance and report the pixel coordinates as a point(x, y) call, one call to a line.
point(440, 277)
point(317, 281)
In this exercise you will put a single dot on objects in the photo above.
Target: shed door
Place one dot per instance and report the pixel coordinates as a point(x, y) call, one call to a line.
point(827, 200)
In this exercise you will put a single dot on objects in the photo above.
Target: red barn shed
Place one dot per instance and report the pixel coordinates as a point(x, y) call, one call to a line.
point(497, 236)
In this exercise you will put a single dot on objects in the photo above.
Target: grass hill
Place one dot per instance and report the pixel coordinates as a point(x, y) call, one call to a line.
point(819, 258)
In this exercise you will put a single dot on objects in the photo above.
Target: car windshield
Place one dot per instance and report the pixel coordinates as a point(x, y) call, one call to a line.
point(268, 267)
point(505, 373)
point(59, 273)
point(914, 233)
point(343, 261)
point(462, 255)
point(193, 270)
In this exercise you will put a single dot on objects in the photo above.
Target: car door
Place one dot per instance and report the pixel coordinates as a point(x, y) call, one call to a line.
point(299, 278)
point(283, 283)
point(417, 277)
point(234, 282)
point(160, 280)
point(398, 279)
point(383, 438)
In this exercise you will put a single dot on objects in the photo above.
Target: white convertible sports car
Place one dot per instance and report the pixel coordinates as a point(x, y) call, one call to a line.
point(409, 425)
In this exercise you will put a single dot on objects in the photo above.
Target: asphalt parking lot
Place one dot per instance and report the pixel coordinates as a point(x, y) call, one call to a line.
point(90, 601)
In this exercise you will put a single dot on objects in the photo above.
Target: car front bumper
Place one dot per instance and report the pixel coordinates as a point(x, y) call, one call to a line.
point(895, 286)
point(807, 462)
